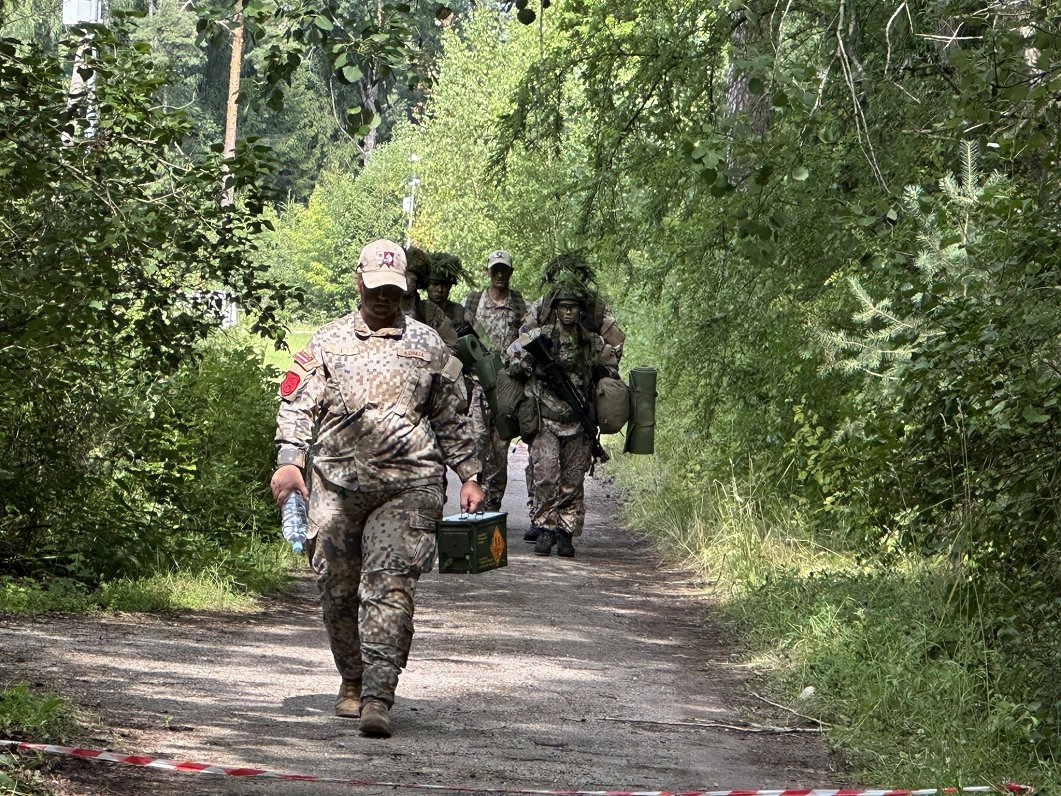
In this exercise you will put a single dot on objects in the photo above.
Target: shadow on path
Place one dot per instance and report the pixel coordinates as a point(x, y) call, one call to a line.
point(550, 673)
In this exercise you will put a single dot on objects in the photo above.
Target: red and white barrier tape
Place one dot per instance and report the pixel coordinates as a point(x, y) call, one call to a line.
point(209, 768)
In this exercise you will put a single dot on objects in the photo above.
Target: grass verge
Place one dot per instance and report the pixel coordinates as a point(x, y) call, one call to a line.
point(230, 585)
point(281, 360)
point(28, 715)
point(902, 660)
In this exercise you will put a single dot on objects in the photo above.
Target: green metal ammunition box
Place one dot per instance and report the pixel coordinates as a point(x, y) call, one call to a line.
point(473, 543)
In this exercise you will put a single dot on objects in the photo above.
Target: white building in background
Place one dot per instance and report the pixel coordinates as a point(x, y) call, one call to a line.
point(78, 12)
point(216, 305)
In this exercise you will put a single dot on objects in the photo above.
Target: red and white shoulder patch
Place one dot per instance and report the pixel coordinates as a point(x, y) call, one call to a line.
point(290, 384)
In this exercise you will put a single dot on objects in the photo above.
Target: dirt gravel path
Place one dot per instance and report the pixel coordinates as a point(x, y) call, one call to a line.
point(550, 673)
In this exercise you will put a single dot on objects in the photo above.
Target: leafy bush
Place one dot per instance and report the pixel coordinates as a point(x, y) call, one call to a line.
point(156, 472)
point(962, 423)
point(39, 718)
point(22, 710)
point(117, 456)
point(21, 596)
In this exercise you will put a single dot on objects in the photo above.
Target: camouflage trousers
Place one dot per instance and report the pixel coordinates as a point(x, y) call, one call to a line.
point(558, 465)
point(493, 453)
point(369, 549)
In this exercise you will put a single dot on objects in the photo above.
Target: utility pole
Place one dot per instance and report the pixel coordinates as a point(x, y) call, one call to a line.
point(81, 12)
point(409, 202)
point(235, 64)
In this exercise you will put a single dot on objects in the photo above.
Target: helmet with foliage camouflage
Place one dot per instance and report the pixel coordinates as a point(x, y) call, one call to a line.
point(418, 263)
point(569, 294)
point(446, 268)
point(567, 269)
point(568, 276)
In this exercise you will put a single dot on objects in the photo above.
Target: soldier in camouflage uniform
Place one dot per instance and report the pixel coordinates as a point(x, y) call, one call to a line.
point(382, 399)
point(498, 313)
point(596, 317)
point(445, 270)
point(417, 273)
point(560, 453)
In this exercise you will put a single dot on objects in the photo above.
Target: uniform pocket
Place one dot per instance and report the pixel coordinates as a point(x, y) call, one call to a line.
point(407, 400)
point(423, 528)
point(347, 371)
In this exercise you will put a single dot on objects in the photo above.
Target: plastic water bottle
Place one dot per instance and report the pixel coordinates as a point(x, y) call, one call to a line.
point(294, 521)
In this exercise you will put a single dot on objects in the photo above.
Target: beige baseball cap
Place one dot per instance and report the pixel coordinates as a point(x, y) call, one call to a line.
point(499, 257)
point(382, 262)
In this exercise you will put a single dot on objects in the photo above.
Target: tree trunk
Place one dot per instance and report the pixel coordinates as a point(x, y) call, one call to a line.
point(228, 188)
point(739, 99)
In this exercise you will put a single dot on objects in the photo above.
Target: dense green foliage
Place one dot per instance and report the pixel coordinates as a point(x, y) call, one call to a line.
point(833, 229)
point(122, 450)
point(318, 245)
point(832, 226)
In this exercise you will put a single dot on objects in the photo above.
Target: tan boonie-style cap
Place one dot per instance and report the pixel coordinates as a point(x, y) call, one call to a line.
point(382, 262)
point(499, 257)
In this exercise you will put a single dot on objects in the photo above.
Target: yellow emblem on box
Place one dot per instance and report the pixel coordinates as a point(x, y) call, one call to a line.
point(473, 543)
point(497, 544)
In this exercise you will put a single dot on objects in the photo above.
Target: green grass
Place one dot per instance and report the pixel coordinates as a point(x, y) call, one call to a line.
point(26, 715)
point(906, 666)
point(27, 596)
point(281, 360)
point(169, 592)
point(229, 585)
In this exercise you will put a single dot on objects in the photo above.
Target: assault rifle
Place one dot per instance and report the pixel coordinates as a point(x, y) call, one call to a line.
point(557, 380)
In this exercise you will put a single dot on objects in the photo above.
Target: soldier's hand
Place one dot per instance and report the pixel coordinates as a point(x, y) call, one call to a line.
point(472, 497)
point(287, 479)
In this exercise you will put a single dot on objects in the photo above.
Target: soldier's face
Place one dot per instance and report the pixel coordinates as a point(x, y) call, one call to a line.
point(411, 284)
point(438, 292)
point(380, 305)
point(499, 277)
point(567, 313)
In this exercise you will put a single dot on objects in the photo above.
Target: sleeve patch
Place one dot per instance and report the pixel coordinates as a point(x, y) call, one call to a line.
point(452, 370)
point(290, 383)
point(305, 361)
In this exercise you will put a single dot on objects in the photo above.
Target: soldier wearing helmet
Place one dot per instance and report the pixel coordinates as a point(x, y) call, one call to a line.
point(445, 271)
point(561, 450)
point(414, 306)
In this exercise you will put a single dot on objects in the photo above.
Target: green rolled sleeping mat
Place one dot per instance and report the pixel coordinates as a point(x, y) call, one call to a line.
point(641, 430)
point(470, 352)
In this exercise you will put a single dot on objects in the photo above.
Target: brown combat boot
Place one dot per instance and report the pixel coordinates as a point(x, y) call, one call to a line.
point(348, 703)
point(375, 718)
point(564, 545)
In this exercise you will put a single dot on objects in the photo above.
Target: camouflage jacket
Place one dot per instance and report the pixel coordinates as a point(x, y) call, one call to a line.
point(497, 323)
point(430, 313)
point(577, 353)
point(387, 407)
